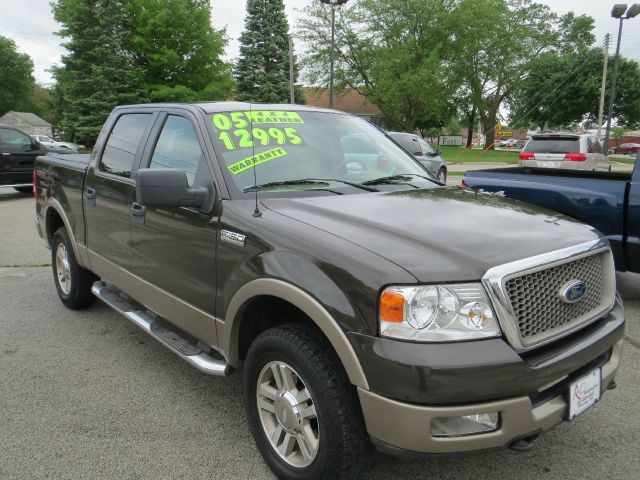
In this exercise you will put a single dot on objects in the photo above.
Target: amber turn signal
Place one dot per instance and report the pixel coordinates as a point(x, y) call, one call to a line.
point(391, 307)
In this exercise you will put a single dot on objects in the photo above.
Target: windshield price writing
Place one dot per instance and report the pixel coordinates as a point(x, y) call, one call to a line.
point(236, 132)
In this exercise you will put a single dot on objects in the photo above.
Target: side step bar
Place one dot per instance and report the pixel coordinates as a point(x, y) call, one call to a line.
point(169, 338)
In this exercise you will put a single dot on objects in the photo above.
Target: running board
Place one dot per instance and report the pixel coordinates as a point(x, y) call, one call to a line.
point(179, 345)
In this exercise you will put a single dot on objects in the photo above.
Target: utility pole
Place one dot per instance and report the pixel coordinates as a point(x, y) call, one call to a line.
point(292, 80)
point(607, 37)
point(618, 11)
point(333, 4)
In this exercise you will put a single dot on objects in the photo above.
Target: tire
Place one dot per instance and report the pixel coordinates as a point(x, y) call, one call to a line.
point(24, 189)
point(73, 282)
point(442, 175)
point(335, 435)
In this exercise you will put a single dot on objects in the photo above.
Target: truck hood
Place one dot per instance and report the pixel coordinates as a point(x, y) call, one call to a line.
point(441, 234)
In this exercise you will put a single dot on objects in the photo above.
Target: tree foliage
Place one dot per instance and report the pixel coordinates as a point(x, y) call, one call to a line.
point(262, 72)
point(393, 51)
point(134, 51)
point(16, 77)
point(561, 90)
point(422, 61)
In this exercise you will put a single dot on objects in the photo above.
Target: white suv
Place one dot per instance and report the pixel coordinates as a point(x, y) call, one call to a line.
point(572, 151)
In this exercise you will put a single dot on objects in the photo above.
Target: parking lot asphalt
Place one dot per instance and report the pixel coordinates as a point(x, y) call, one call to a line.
point(86, 395)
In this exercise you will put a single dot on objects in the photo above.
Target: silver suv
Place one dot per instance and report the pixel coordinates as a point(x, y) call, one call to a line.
point(564, 150)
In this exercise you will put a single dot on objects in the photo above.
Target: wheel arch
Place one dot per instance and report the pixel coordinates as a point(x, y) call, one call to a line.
point(280, 291)
point(55, 218)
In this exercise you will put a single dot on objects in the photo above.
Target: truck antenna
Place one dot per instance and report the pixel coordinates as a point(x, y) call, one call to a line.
point(256, 213)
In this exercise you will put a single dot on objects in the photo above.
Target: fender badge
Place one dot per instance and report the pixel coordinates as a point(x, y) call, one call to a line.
point(232, 237)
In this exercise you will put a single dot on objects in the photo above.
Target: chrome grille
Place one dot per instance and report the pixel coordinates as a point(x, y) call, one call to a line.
point(539, 312)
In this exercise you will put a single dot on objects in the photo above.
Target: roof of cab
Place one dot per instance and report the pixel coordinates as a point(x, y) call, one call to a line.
point(216, 107)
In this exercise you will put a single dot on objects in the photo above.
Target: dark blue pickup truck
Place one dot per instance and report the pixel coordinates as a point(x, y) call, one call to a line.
point(608, 201)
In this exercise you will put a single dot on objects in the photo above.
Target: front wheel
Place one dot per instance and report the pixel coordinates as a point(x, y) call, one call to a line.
point(442, 175)
point(303, 412)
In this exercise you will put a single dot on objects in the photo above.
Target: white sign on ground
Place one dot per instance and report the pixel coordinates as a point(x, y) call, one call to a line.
point(454, 140)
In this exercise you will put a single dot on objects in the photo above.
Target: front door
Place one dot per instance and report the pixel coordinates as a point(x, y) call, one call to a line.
point(173, 249)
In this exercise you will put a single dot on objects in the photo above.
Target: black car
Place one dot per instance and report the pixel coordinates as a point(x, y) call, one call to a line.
point(18, 152)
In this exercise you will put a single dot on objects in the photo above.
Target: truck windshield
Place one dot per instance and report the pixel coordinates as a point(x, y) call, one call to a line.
point(285, 146)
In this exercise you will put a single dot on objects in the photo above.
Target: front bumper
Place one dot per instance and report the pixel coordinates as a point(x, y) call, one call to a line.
point(406, 427)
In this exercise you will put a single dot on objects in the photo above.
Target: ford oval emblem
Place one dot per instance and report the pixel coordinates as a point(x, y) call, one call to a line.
point(573, 291)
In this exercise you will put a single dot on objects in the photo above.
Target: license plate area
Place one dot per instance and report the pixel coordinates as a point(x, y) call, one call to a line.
point(584, 393)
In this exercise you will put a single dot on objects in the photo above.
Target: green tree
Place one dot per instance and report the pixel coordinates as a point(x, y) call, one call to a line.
point(497, 42)
point(98, 73)
point(179, 51)
point(560, 90)
point(16, 77)
point(395, 52)
point(262, 71)
point(133, 51)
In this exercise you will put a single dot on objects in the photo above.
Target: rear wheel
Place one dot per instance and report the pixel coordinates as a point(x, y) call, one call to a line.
point(303, 412)
point(73, 282)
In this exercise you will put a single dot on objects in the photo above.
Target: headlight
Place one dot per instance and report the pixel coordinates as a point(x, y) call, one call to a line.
point(437, 313)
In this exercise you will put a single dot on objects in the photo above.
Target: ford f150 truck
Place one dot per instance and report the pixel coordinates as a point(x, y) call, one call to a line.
point(364, 303)
point(608, 201)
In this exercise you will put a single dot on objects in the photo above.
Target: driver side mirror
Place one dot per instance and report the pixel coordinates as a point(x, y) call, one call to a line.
point(436, 153)
point(168, 187)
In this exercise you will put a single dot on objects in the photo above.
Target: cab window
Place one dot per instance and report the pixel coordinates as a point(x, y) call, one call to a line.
point(120, 151)
point(178, 147)
point(13, 138)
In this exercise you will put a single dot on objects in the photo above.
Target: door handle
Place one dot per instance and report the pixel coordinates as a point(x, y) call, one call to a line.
point(138, 210)
point(90, 194)
point(138, 213)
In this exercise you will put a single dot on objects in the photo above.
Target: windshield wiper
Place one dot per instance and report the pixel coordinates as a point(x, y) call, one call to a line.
point(285, 183)
point(401, 178)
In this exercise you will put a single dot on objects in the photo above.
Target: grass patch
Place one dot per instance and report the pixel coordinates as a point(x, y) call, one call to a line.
point(628, 161)
point(475, 155)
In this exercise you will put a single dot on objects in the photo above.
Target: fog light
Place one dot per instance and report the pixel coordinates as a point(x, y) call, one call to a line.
point(467, 425)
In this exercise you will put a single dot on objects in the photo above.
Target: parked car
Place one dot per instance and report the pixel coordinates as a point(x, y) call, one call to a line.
point(519, 143)
point(508, 143)
point(564, 150)
point(423, 152)
point(627, 149)
point(608, 201)
point(18, 152)
point(360, 308)
point(50, 142)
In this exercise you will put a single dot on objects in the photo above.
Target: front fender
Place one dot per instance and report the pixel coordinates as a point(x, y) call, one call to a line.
point(305, 302)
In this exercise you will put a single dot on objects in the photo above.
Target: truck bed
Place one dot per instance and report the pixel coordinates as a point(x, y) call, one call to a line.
point(66, 172)
point(600, 199)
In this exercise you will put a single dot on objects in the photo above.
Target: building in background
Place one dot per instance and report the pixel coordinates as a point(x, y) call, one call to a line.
point(350, 101)
point(29, 123)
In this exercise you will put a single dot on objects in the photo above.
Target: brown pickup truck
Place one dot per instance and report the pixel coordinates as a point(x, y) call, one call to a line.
point(363, 301)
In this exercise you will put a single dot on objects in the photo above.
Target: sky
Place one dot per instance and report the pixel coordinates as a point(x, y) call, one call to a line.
point(31, 25)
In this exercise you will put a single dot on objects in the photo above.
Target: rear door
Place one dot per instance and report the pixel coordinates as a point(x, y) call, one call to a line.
point(109, 192)
point(17, 157)
point(633, 220)
point(173, 249)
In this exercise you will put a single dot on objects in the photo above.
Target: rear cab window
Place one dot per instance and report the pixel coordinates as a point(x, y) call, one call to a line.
point(123, 143)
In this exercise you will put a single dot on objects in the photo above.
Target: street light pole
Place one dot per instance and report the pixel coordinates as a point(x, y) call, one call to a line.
point(618, 11)
point(333, 53)
point(332, 4)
